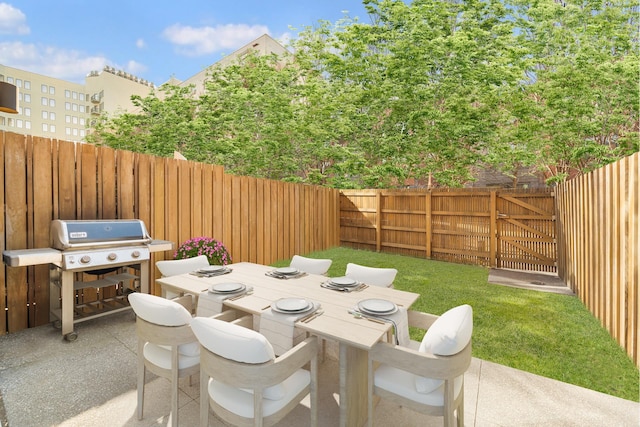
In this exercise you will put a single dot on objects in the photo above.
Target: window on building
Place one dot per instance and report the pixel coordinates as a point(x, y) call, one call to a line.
point(45, 127)
point(27, 124)
point(27, 97)
point(81, 96)
point(82, 133)
point(67, 119)
point(74, 107)
point(74, 95)
point(75, 132)
point(45, 114)
point(2, 120)
point(52, 116)
point(44, 88)
point(19, 123)
point(75, 120)
point(67, 106)
point(52, 128)
point(10, 122)
point(10, 80)
point(44, 100)
point(27, 111)
point(19, 83)
point(67, 93)
point(52, 102)
point(82, 109)
point(27, 84)
point(52, 90)
point(67, 131)
point(82, 122)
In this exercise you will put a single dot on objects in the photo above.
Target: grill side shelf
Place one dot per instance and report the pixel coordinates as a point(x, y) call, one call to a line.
point(27, 257)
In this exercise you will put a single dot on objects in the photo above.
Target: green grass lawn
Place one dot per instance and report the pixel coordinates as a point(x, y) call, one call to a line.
point(543, 333)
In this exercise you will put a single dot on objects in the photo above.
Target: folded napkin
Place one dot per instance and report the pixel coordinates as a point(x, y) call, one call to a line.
point(400, 321)
point(285, 276)
point(280, 330)
point(200, 273)
point(210, 304)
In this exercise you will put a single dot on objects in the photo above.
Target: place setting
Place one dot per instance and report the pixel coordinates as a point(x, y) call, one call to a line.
point(211, 301)
point(344, 284)
point(285, 273)
point(212, 271)
point(278, 321)
point(384, 311)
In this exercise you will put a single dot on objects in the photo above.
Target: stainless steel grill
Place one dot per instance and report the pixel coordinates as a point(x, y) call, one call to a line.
point(93, 247)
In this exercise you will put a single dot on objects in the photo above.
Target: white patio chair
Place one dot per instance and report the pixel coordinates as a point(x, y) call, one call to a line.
point(373, 276)
point(243, 381)
point(174, 267)
point(166, 345)
point(427, 377)
point(310, 265)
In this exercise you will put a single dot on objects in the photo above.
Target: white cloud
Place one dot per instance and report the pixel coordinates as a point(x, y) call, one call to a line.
point(12, 20)
point(50, 61)
point(140, 44)
point(134, 67)
point(199, 41)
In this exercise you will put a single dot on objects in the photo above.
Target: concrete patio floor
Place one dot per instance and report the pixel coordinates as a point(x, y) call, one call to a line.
point(46, 381)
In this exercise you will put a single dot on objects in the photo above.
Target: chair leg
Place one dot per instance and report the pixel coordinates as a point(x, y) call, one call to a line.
point(460, 410)
point(140, 388)
point(204, 399)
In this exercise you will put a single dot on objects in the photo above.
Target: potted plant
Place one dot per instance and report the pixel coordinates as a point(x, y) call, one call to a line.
point(214, 250)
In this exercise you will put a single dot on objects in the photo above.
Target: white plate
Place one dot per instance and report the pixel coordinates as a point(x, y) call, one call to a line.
point(292, 305)
point(212, 268)
point(343, 281)
point(225, 288)
point(377, 306)
point(287, 270)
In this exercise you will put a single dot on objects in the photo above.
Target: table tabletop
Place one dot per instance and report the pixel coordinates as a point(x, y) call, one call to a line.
point(335, 323)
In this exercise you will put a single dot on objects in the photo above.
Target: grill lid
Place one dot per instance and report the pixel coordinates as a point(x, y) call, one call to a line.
point(77, 234)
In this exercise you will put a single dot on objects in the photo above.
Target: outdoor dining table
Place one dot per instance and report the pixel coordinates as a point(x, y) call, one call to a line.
point(355, 336)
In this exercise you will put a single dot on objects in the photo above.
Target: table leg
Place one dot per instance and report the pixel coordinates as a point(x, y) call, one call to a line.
point(353, 386)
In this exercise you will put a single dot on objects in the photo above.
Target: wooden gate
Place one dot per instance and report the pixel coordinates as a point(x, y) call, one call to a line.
point(526, 232)
point(495, 228)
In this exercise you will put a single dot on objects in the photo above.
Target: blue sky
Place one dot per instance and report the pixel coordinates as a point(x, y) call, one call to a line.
point(67, 39)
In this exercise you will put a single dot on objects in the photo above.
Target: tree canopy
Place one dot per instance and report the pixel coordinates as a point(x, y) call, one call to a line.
point(426, 90)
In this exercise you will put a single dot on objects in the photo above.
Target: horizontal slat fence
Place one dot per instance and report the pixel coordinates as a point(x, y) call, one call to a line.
point(599, 239)
point(494, 228)
point(259, 220)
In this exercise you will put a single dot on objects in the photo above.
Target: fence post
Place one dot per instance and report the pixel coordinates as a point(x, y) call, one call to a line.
point(493, 230)
point(428, 228)
point(378, 221)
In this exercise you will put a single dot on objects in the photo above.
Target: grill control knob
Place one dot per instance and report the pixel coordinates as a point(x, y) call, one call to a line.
point(135, 254)
point(112, 256)
point(85, 259)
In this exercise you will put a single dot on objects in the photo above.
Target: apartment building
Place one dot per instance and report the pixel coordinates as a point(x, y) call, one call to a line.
point(55, 108)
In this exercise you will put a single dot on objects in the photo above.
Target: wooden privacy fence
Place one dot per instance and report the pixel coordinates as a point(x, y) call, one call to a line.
point(599, 243)
point(258, 220)
point(496, 228)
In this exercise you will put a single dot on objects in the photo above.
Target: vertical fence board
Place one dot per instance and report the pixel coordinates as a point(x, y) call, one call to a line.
point(16, 238)
point(42, 216)
point(3, 231)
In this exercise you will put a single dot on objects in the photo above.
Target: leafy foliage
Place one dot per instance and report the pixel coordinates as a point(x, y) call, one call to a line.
point(425, 91)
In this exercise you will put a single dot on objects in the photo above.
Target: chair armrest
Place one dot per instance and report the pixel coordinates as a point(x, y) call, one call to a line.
point(244, 321)
point(423, 364)
point(421, 320)
point(186, 301)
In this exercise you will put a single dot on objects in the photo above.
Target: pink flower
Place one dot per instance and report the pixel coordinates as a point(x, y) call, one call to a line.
point(214, 250)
